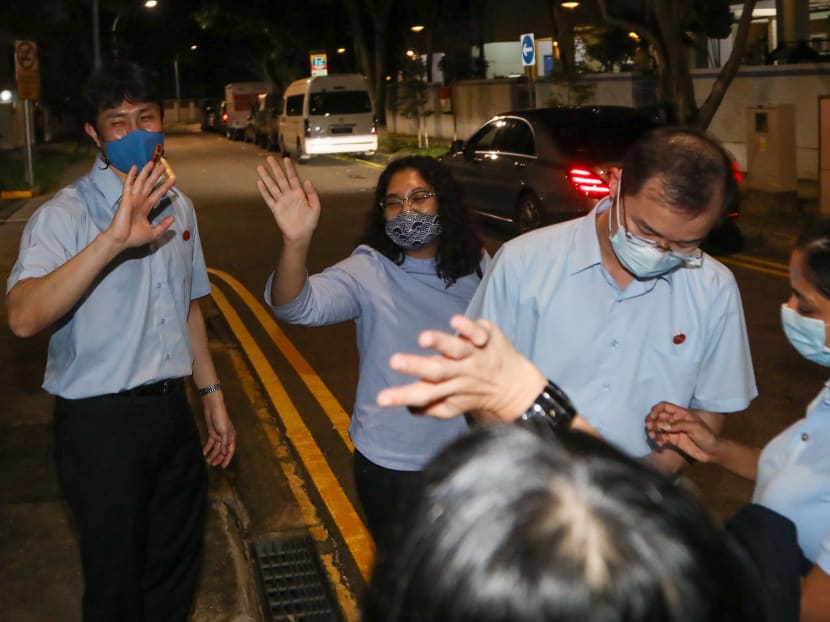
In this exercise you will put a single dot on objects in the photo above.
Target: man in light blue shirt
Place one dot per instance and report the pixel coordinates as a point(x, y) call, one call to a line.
point(620, 308)
point(113, 266)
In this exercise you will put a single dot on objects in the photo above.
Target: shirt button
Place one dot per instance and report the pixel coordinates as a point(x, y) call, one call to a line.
point(605, 387)
point(158, 285)
point(167, 357)
point(805, 437)
point(163, 321)
point(615, 343)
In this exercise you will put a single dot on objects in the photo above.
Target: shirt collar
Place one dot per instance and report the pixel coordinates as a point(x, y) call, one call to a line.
point(585, 251)
point(111, 186)
point(107, 182)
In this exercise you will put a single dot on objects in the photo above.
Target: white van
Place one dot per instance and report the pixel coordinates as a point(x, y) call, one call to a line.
point(328, 114)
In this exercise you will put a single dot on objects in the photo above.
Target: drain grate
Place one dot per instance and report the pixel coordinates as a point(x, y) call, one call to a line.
point(293, 583)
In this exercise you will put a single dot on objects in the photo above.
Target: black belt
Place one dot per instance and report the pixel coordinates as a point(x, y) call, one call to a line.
point(162, 387)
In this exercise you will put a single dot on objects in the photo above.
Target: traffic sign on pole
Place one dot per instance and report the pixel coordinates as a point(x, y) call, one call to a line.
point(27, 71)
point(528, 49)
point(319, 64)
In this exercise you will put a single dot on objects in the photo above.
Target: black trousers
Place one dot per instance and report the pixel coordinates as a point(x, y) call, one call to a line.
point(380, 491)
point(132, 470)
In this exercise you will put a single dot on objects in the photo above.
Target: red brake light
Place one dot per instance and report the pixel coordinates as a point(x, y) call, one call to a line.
point(737, 172)
point(588, 183)
point(224, 116)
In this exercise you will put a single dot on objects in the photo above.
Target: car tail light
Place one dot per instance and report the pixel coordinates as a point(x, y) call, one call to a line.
point(374, 126)
point(306, 127)
point(224, 116)
point(739, 178)
point(588, 183)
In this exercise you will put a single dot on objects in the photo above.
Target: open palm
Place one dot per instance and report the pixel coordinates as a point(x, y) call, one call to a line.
point(142, 191)
point(293, 202)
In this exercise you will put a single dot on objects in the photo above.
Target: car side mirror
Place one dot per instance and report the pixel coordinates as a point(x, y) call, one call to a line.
point(457, 146)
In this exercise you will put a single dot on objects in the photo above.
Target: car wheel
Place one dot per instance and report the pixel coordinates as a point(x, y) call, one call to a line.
point(528, 212)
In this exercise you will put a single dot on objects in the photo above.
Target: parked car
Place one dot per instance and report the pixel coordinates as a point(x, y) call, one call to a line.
point(529, 168)
point(263, 129)
point(533, 167)
point(328, 114)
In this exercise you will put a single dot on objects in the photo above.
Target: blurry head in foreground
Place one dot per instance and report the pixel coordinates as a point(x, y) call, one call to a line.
point(515, 524)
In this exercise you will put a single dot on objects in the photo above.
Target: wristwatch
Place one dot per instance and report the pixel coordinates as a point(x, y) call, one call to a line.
point(554, 406)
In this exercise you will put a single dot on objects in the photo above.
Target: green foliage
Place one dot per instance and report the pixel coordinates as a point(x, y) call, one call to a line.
point(399, 146)
point(610, 47)
point(413, 90)
point(49, 162)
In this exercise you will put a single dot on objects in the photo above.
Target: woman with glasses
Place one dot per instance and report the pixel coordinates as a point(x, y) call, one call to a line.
point(418, 263)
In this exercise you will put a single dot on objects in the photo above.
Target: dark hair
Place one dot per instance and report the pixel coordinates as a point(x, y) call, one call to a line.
point(459, 247)
point(814, 241)
point(118, 82)
point(514, 525)
point(694, 168)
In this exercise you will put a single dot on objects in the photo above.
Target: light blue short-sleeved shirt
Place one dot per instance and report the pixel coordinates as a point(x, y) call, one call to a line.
point(131, 328)
point(794, 478)
point(390, 305)
point(679, 338)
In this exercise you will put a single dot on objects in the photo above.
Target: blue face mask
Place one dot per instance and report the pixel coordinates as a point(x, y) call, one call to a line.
point(136, 148)
point(642, 260)
point(412, 230)
point(807, 335)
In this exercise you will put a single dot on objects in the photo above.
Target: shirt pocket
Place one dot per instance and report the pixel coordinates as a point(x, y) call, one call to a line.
point(668, 377)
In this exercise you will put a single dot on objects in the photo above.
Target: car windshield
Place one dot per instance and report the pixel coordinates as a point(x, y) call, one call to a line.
point(598, 140)
point(339, 102)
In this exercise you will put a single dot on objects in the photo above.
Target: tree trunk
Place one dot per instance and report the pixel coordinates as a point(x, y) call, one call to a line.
point(730, 69)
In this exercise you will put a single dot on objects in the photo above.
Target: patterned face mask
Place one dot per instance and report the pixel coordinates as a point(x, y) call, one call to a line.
point(412, 230)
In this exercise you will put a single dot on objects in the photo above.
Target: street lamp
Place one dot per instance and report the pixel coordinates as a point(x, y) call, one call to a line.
point(148, 4)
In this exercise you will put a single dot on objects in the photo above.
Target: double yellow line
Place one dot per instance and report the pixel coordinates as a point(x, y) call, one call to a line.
point(337, 503)
point(774, 268)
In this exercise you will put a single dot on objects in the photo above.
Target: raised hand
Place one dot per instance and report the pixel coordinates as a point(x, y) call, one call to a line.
point(479, 369)
point(293, 202)
point(142, 192)
point(670, 425)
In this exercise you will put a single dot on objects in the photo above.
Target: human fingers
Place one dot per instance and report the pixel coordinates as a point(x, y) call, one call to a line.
point(476, 332)
point(154, 192)
point(278, 173)
point(292, 179)
point(163, 226)
point(424, 395)
point(311, 195)
point(268, 188)
point(450, 346)
point(433, 368)
point(228, 443)
point(212, 449)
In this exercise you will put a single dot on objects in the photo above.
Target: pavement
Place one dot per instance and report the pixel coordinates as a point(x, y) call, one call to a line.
point(39, 564)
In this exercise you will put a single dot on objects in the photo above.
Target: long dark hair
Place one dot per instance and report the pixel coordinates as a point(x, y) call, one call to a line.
point(459, 247)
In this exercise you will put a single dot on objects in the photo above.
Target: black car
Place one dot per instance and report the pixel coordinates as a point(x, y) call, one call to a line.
point(534, 167)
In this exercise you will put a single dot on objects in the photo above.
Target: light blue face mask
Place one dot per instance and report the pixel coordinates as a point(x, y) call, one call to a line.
point(136, 148)
point(644, 261)
point(807, 335)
